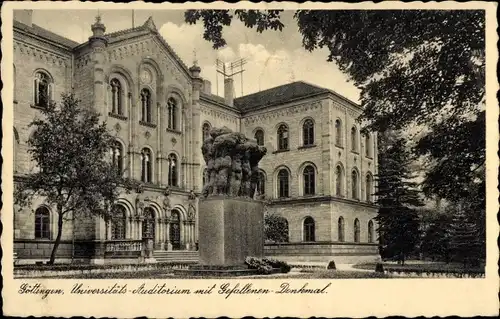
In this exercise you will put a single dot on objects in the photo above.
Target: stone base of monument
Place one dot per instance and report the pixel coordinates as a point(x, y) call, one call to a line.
point(230, 229)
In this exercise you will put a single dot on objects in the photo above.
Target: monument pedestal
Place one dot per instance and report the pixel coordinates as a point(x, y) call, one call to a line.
point(230, 229)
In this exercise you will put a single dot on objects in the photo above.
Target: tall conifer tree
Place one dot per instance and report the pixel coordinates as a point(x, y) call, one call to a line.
point(397, 196)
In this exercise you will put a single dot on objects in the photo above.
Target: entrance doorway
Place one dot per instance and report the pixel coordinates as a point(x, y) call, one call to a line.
point(148, 224)
point(175, 230)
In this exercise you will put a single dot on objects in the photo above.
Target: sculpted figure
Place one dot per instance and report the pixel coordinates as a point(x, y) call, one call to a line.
point(139, 201)
point(166, 200)
point(232, 161)
point(191, 205)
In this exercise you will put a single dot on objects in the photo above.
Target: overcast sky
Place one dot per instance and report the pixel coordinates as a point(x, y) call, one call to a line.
point(274, 58)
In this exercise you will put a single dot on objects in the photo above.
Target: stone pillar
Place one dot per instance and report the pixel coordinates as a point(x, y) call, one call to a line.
point(139, 228)
point(98, 43)
point(167, 240)
point(196, 129)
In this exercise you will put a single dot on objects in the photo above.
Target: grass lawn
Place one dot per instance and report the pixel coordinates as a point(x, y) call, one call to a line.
point(160, 274)
point(424, 267)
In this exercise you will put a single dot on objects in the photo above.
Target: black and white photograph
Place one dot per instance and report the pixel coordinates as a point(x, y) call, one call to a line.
point(246, 146)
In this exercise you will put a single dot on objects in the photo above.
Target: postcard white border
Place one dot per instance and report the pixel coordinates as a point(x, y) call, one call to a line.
point(348, 297)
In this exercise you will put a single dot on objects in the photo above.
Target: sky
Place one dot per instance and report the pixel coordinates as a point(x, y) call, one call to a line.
point(273, 57)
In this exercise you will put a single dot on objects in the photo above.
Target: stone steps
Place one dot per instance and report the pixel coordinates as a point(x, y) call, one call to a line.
point(162, 256)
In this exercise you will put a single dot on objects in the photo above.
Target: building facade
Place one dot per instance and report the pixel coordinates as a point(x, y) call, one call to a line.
point(318, 173)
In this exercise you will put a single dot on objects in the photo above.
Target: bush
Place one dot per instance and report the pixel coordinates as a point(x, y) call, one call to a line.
point(275, 228)
point(379, 267)
point(331, 265)
point(283, 266)
point(265, 266)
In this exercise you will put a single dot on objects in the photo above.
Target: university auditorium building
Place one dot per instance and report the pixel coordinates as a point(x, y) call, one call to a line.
point(318, 172)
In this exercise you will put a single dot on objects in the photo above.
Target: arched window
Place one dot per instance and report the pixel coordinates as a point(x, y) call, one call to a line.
point(356, 230)
point(283, 137)
point(117, 156)
point(148, 224)
point(42, 223)
point(338, 132)
point(116, 97)
point(259, 137)
point(16, 150)
point(42, 89)
point(204, 177)
point(286, 231)
point(370, 232)
point(368, 146)
point(339, 181)
point(283, 183)
point(206, 131)
point(146, 166)
point(355, 184)
point(308, 132)
point(15, 83)
point(341, 231)
point(118, 222)
point(172, 170)
point(309, 229)
point(146, 106)
point(309, 180)
point(172, 114)
point(262, 184)
point(354, 139)
point(369, 188)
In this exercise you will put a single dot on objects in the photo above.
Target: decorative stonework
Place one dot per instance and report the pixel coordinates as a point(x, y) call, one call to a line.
point(147, 135)
point(40, 54)
point(218, 114)
point(118, 127)
point(146, 76)
point(272, 115)
point(152, 49)
point(82, 61)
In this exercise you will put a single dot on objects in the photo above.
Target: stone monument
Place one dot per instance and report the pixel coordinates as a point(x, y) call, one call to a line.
point(231, 221)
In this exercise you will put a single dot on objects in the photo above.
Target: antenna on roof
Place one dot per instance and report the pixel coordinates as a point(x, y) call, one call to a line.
point(236, 65)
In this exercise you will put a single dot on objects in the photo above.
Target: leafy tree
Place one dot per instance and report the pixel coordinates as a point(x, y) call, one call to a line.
point(398, 199)
point(75, 174)
point(275, 228)
point(413, 67)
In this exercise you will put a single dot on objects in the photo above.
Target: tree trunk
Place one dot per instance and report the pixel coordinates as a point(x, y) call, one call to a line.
point(58, 238)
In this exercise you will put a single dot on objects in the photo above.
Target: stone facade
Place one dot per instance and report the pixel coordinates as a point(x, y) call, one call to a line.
point(139, 59)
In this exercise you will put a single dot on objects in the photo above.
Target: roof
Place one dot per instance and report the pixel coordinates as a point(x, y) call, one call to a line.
point(213, 98)
point(278, 95)
point(150, 27)
point(46, 34)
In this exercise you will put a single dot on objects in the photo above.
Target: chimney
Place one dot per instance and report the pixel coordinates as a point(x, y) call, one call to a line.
point(229, 91)
point(207, 87)
point(24, 16)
